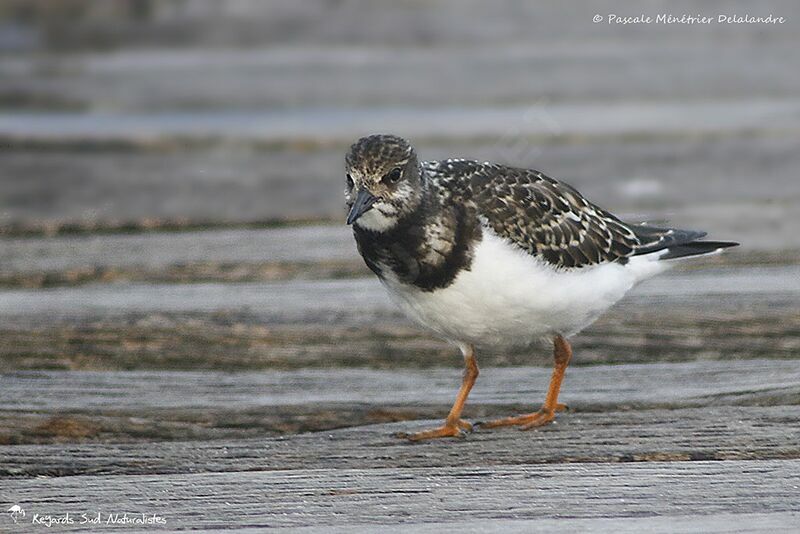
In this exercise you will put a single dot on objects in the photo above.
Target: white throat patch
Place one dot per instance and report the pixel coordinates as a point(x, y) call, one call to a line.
point(376, 221)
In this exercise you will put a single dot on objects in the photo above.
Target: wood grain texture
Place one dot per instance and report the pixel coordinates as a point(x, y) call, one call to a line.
point(646, 179)
point(363, 300)
point(360, 498)
point(166, 168)
point(672, 385)
point(696, 411)
point(727, 433)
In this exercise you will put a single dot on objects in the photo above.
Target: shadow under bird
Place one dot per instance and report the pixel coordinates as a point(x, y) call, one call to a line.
point(490, 255)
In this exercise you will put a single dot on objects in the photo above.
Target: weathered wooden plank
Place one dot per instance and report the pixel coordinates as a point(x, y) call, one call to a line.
point(319, 25)
point(564, 495)
point(715, 523)
point(635, 435)
point(734, 329)
point(708, 313)
point(318, 251)
point(291, 76)
point(665, 118)
point(215, 255)
point(352, 301)
point(588, 388)
point(231, 249)
point(700, 410)
point(306, 243)
point(202, 187)
point(701, 523)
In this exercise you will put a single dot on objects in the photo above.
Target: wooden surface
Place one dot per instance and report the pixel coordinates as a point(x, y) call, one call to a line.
point(703, 311)
point(698, 410)
point(710, 443)
point(662, 384)
point(186, 329)
point(697, 494)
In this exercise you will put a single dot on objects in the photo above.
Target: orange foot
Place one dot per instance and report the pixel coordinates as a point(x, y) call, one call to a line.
point(527, 421)
point(458, 429)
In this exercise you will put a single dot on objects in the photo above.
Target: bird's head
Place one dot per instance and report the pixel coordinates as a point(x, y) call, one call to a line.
point(384, 182)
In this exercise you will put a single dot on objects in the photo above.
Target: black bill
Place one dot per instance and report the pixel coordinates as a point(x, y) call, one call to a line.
point(362, 204)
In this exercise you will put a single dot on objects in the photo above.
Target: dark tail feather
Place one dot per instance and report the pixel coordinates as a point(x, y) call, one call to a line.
point(696, 248)
point(677, 243)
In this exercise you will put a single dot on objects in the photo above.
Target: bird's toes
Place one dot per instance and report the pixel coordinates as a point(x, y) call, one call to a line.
point(541, 418)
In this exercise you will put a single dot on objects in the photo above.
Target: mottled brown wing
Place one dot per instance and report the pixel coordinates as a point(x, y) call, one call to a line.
point(547, 218)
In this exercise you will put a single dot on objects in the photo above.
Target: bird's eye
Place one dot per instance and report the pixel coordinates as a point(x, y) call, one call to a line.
point(350, 182)
point(393, 176)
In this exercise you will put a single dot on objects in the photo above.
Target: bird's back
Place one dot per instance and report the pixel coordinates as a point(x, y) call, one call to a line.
point(551, 220)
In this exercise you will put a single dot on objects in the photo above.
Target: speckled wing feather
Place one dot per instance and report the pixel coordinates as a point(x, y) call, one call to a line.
point(547, 218)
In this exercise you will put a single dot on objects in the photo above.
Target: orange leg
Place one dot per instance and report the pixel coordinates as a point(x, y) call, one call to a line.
point(454, 426)
point(562, 352)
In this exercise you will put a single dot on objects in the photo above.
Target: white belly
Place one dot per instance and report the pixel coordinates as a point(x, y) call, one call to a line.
point(509, 298)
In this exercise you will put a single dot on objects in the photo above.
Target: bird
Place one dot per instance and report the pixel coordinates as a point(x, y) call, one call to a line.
point(489, 255)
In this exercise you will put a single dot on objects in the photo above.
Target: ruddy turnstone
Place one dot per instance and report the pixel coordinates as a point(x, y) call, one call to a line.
point(485, 254)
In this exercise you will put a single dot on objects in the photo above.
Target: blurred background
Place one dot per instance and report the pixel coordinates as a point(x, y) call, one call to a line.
point(171, 177)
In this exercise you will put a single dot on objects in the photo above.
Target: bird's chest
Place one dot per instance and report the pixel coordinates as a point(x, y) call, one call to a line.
point(426, 256)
